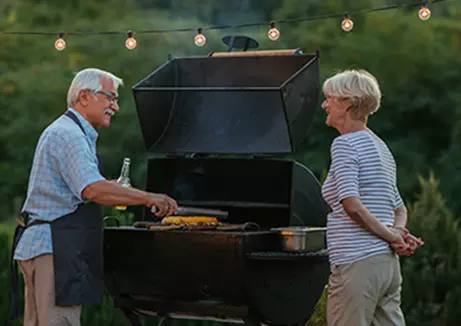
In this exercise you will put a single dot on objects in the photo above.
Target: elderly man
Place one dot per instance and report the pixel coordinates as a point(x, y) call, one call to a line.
point(59, 248)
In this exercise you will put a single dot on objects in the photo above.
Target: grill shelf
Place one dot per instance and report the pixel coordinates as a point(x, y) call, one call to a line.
point(283, 255)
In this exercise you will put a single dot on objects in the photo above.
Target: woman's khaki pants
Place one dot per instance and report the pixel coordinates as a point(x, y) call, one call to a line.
point(366, 293)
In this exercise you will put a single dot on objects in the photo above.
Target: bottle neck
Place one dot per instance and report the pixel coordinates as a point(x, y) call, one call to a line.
point(125, 173)
point(124, 178)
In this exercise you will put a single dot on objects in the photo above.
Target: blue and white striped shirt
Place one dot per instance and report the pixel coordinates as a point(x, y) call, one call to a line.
point(361, 166)
point(65, 162)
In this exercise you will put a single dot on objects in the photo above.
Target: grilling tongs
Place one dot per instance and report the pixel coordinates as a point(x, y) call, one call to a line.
point(196, 211)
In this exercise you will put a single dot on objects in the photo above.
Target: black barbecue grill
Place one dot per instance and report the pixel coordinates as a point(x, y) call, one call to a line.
point(214, 127)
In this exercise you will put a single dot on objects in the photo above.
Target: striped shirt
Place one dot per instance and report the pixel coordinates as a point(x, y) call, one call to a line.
point(361, 166)
point(64, 164)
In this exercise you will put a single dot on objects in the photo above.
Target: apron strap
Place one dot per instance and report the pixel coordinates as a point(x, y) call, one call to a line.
point(14, 309)
point(72, 115)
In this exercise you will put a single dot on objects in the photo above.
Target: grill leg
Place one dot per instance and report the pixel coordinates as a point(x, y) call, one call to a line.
point(132, 318)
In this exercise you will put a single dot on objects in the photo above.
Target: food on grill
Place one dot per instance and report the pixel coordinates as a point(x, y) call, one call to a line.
point(144, 224)
point(164, 227)
point(190, 220)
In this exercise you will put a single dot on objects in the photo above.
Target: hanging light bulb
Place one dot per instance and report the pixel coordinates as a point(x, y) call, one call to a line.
point(130, 42)
point(60, 44)
point(199, 39)
point(347, 24)
point(424, 13)
point(273, 33)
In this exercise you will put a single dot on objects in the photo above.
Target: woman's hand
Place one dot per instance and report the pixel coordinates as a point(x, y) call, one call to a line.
point(412, 240)
point(411, 243)
point(399, 245)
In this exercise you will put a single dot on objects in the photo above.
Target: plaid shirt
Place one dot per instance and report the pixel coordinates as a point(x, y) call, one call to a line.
point(64, 164)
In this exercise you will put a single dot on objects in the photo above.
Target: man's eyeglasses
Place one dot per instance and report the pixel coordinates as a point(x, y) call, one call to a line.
point(112, 97)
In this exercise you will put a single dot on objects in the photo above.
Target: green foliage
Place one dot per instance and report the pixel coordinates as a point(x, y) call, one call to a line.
point(34, 81)
point(417, 65)
point(431, 286)
point(431, 289)
point(418, 72)
point(104, 314)
point(319, 317)
point(5, 279)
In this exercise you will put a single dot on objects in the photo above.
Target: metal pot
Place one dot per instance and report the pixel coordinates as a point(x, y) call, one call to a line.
point(302, 238)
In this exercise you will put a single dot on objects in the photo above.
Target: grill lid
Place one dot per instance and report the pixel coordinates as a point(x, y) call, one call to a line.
point(235, 104)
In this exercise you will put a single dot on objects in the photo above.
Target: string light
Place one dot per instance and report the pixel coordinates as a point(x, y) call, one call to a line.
point(424, 13)
point(273, 33)
point(60, 44)
point(347, 24)
point(130, 42)
point(199, 39)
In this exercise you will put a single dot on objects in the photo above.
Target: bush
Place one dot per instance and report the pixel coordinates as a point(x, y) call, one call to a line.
point(319, 317)
point(431, 289)
point(431, 278)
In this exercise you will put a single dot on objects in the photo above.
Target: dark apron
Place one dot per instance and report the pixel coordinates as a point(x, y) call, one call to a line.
point(77, 240)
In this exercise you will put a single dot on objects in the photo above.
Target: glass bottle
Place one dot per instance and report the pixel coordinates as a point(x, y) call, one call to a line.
point(124, 179)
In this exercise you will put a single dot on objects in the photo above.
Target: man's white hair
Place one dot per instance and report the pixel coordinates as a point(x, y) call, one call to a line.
point(89, 78)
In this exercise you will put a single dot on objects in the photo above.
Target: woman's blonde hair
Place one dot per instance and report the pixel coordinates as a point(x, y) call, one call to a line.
point(359, 88)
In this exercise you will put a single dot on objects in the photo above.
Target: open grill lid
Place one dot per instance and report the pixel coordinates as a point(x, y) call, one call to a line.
point(249, 103)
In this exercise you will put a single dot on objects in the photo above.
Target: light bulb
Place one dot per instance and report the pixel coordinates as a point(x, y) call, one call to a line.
point(273, 33)
point(60, 44)
point(130, 42)
point(199, 39)
point(347, 24)
point(424, 13)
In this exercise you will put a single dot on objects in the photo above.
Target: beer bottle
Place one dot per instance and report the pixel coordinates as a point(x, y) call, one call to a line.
point(124, 179)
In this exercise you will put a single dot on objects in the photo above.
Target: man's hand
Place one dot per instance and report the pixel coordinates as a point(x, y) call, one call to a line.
point(164, 205)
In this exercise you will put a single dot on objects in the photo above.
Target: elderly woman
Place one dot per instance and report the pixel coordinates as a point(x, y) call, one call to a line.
point(366, 226)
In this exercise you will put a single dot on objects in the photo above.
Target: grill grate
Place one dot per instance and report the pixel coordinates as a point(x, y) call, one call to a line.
point(284, 255)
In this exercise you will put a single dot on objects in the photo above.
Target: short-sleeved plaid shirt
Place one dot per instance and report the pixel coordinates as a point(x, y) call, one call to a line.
point(65, 162)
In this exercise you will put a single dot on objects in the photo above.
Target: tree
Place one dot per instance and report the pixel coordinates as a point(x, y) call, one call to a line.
point(34, 78)
point(417, 65)
point(431, 284)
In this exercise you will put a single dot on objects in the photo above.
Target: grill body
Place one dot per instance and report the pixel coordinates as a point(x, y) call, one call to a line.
point(224, 275)
point(214, 130)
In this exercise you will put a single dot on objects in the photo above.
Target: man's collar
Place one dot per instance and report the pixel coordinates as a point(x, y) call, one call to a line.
point(89, 129)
